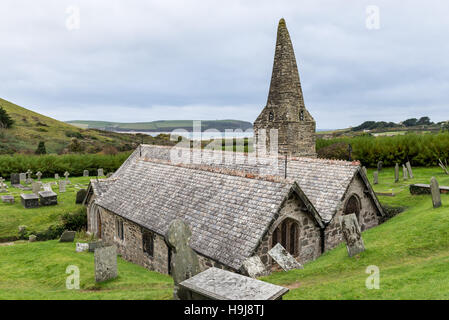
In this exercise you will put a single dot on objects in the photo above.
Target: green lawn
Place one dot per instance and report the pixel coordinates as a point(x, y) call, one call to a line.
point(39, 219)
point(411, 251)
point(38, 271)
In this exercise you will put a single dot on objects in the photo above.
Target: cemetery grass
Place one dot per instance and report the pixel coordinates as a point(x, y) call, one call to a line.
point(38, 271)
point(411, 251)
point(38, 219)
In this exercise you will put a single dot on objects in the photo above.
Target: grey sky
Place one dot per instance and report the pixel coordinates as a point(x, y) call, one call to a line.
point(151, 60)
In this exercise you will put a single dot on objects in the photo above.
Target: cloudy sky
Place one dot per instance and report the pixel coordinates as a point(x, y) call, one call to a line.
point(140, 60)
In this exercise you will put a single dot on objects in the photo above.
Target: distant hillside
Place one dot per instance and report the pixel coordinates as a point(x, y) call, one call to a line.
point(30, 128)
point(162, 125)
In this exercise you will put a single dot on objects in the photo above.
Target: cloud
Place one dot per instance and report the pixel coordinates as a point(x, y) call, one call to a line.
point(152, 60)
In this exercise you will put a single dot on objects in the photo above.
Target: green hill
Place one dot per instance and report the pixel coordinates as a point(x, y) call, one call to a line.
point(162, 125)
point(31, 127)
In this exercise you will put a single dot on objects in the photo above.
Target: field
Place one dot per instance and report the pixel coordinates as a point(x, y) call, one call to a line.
point(410, 250)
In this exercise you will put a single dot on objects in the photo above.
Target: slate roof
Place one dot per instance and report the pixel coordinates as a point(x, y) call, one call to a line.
point(228, 214)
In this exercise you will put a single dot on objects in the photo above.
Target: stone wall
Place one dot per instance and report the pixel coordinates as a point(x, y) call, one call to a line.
point(368, 217)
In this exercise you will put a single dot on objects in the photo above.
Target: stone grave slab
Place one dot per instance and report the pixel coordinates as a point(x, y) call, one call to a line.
point(105, 263)
point(67, 236)
point(218, 284)
point(48, 198)
point(29, 200)
point(8, 199)
point(419, 188)
point(81, 247)
point(352, 234)
point(283, 258)
point(255, 267)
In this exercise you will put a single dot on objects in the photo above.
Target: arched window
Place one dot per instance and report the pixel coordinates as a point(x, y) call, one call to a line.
point(293, 239)
point(287, 234)
point(353, 206)
point(271, 116)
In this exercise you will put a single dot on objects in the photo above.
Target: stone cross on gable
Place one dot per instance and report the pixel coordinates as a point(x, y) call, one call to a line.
point(38, 175)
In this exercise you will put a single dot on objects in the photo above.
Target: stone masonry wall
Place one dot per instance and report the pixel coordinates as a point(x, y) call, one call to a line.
point(367, 219)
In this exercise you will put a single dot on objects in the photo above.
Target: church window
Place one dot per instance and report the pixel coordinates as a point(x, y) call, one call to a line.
point(287, 234)
point(148, 242)
point(119, 228)
point(353, 206)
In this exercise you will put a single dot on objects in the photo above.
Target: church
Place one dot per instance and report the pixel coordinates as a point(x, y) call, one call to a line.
point(236, 210)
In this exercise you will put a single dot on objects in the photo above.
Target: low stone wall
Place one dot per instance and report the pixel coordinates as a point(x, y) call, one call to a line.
point(417, 189)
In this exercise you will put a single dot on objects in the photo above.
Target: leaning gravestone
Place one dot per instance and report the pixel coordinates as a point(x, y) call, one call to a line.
point(105, 263)
point(184, 261)
point(352, 234)
point(379, 166)
point(67, 236)
point(254, 267)
point(85, 173)
point(409, 168)
point(62, 186)
point(81, 247)
point(376, 177)
point(283, 258)
point(15, 178)
point(100, 172)
point(404, 172)
point(22, 178)
point(435, 190)
point(396, 173)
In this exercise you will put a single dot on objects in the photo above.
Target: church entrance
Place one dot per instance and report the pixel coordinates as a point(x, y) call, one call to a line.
point(287, 234)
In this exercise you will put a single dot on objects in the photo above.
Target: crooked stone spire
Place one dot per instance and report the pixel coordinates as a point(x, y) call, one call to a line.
point(285, 87)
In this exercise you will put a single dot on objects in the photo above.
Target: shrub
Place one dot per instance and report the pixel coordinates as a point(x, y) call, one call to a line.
point(41, 148)
point(335, 151)
point(74, 134)
point(5, 120)
point(76, 221)
point(80, 195)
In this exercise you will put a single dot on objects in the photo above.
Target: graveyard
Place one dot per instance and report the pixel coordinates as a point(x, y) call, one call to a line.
point(410, 250)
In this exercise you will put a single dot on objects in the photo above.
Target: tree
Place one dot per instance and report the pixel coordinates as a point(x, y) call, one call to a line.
point(41, 148)
point(75, 146)
point(410, 122)
point(5, 120)
point(424, 121)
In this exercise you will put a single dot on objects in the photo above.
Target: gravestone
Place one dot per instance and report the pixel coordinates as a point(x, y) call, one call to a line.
point(61, 186)
point(435, 190)
point(404, 172)
point(94, 245)
point(396, 173)
point(3, 187)
point(67, 236)
point(105, 263)
point(100, 172)
point(39, 175)
point(56, 176)
point(379, 166)
point(47, 187)
point(48, 198)
point(32, 238)
point(8, 199)
point(81, 247)
point(283, 258)
point(36, 187)
point(254, 267)
point(352, 234)
point(184, 261)
point(15, 178)
point(376, 177)
point(85, 173)
point(80, 195)
point(109, 174)
point(29, 200)
point(66, 175)
point(28, 179)
point(217, 284)
point(409, 168)
point(22, 178)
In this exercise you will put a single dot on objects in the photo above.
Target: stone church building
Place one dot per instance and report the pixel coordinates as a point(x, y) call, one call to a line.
point(235, 209)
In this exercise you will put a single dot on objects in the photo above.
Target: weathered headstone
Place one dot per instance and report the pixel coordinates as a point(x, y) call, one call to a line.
point(47, 187)
point(217, 284)
point(29, 200)
point(36, 187)
point(8, 199)
point(80, 195)
point(376, 177)
point(105, 263)
point(94, 245)
point(255, 267)
point(100, 172)
point(81, 247)
point(184, 261)
point(3, 187)
point(67, 236)
point(66, 175)
point(28, 179)
point(39, 175)
point(379, 166)
point(32, 238)
point(409, 168)
point(56, 176)
point(85, 173)
point(22, 178)
point(48, 198)
point(61, 185)
point(15, 178)
point(435, 190)
point(283, 258)
point(396, 173)
point(404, 172)
point(352, 234)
